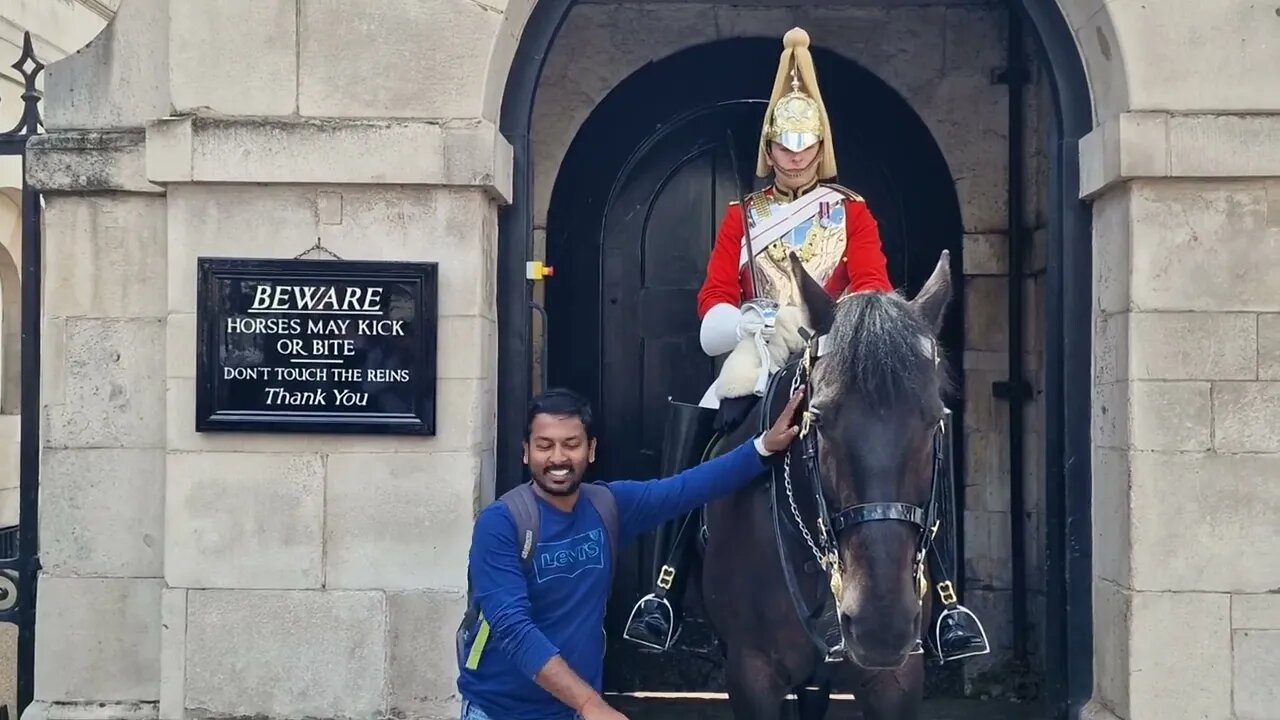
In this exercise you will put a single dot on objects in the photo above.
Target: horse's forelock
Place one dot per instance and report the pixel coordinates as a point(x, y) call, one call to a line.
point(880, 351)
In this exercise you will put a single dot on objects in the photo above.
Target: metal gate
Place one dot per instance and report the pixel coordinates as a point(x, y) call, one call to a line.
point(19, 555)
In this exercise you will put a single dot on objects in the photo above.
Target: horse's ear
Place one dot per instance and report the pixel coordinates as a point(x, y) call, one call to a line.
point(816, 300)
point(931, 302)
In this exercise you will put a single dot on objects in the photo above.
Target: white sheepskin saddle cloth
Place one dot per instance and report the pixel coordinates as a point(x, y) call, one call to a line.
point(743, 372)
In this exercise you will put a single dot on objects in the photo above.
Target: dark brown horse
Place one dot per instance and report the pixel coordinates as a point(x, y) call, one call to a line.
point(854, 495)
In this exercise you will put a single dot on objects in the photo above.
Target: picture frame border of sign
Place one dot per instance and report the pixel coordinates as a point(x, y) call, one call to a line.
point(423, 382)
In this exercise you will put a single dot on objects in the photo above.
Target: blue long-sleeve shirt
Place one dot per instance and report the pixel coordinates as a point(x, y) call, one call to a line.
point(559, 607)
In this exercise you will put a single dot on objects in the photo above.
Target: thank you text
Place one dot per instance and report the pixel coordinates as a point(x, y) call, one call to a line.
point(329, 346)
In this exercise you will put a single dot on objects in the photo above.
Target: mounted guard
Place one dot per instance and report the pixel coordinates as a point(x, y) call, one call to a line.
point(750, 308)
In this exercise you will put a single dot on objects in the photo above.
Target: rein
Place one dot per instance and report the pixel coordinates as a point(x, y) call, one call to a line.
point(829, 524)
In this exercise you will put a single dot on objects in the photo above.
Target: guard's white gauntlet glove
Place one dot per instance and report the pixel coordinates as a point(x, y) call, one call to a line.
point(757, 319)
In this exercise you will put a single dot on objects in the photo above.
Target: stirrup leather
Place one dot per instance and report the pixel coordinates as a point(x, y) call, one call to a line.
point(671, 631)
point(966, 612)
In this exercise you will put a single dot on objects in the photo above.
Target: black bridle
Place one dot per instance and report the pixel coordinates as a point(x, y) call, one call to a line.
point(831, 523)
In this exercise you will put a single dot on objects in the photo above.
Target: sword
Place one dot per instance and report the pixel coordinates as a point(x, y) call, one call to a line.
point(746, 220)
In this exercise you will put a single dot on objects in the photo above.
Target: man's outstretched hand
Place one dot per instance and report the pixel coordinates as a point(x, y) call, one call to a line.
point(598, 709)
point(779, 437)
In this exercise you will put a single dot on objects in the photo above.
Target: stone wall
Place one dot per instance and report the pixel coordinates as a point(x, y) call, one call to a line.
point(196, 575)
point(1187, 362)
point(940, 56)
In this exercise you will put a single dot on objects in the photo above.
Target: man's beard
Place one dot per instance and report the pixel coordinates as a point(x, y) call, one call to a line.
point(558, 486)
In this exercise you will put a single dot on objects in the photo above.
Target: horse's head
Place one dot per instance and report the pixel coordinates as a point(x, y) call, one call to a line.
point(877, 387)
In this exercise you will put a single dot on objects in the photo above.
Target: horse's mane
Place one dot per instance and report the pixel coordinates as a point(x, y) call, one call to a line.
point(878, 349)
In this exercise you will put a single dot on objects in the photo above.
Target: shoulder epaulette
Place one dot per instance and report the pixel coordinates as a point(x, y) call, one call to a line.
point(846, 192)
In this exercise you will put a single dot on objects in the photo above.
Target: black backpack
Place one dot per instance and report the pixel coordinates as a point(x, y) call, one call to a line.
point(523, 506)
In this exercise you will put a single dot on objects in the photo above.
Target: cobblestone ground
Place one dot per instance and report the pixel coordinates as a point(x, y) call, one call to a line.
point(662, 709)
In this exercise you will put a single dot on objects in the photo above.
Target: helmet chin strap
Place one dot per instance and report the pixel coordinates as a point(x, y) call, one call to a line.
point(806, 173)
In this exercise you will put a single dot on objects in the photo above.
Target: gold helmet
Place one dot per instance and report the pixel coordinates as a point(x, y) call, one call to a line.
point(797, 119)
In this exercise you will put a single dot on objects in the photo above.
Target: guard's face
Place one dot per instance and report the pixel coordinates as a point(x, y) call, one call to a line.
point(794, 169)
point(558, 453)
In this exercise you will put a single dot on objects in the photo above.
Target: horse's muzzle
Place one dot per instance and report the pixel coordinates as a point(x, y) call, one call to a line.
point(876, 641)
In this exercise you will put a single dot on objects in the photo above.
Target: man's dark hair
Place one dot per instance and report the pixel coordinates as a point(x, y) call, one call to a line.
point(560, 402)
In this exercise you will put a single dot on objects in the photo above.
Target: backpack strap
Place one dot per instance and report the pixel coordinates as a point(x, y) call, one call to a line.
point(524, 510)
point(601, 497)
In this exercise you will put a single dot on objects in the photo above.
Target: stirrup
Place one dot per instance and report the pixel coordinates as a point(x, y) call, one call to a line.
point(672, 633)
point(837, 654)
point(937, 634)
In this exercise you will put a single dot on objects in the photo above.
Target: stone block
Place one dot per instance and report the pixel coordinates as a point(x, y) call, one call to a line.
point(398, 520)
point(120, 79)
point(85, 161)
point(974, 40)
point(1112, 499)
point(986, 254)
point(1111, 348)
point(98, 639)
point(1111, 415)
point(408, 224)
point(173, 653)
point(1224, 145)
point(102, 512)
point(286, 654)
point(1269, 346)
point(181, 349)
point(234, 58)
point(987, 323)
point(1169, 416)
point(327, 151)
point(108, 384)
point(1111, 252)
point(1245, 417)
point(422, 678)
point(1255, 612)
point(417, 59)
point(1130, 145)
point(986, 475)
point(466, 415)
point(1202, 246)
point(977, 154)
point(735, 21)
point(456, 227)
point(1208, 506)
point(1193, 346)
point(1111, 609)
point(995, 609)
point(1256, 664)
point(105, 256)
point(472, 347)
point(244, 520)
point(903, 45)
point(1186, 674)
point(987, 550)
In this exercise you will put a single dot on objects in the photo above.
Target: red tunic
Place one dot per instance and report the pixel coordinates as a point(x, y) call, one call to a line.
point(864, 268)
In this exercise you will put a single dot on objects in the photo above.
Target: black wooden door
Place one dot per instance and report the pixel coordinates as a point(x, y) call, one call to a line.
point(658, 232)
point(659, 227)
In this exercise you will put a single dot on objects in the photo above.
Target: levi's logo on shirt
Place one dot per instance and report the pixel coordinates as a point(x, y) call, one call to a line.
point(569, 557)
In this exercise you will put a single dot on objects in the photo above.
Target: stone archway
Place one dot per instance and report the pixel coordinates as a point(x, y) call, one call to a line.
point(1068, 313)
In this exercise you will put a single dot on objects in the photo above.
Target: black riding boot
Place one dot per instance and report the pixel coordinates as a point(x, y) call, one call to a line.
point(955, 631)
point(655, 620)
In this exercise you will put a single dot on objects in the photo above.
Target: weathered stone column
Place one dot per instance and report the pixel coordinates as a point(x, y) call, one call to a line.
point(193, 575)
point(1187, 364)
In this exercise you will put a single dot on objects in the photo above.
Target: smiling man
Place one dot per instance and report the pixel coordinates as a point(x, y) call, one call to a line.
point(532, 647)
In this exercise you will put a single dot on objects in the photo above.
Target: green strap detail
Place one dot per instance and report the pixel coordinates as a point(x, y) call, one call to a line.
point(482, 637)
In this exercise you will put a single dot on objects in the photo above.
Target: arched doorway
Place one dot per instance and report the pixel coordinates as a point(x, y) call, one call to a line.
point(1067, 327)
point(632, 220)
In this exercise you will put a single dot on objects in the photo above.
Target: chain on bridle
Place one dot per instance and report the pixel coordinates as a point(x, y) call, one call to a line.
point(829, 525)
